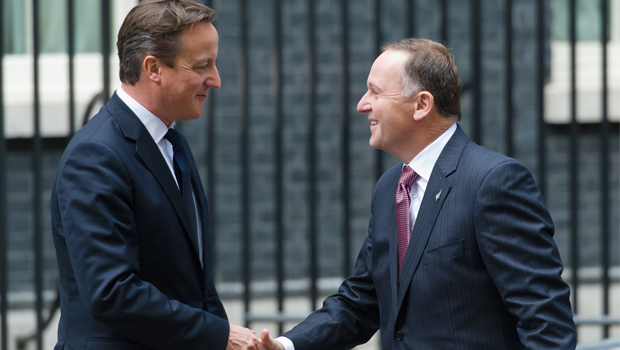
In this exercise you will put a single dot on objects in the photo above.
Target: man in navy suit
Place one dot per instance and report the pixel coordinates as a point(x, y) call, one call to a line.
point(129, 213)
point(480, 269)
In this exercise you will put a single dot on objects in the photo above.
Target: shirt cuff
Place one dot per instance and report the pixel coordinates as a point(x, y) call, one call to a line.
point(288, 344)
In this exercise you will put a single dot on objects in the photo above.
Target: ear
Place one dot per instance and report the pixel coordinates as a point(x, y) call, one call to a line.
point(152, 68)
point(424, 103)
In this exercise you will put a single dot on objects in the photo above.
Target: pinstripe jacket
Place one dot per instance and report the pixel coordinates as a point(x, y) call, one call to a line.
point(482, 270)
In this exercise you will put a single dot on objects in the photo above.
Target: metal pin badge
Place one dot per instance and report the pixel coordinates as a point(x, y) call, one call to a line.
point(438, 195)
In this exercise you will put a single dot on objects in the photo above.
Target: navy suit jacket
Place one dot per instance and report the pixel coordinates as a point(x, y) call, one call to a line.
point(481, 272)
point(129, 271)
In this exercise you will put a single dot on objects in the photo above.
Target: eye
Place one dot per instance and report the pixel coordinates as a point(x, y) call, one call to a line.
point(204, 66)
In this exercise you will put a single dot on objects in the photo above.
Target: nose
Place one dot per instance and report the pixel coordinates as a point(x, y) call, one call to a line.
point(213, 80)
point(364, 106)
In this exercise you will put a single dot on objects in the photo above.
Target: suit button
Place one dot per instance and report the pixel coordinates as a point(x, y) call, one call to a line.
point(399, 335)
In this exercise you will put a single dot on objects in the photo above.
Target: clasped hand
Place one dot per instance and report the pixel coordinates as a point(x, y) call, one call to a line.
point(242, 338)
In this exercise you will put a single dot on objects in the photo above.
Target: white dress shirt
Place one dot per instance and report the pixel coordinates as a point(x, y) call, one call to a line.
point(423, 165)
point(157, 129)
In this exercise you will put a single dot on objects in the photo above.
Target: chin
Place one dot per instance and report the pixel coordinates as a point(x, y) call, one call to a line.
point(373, 145)
point(196, 116)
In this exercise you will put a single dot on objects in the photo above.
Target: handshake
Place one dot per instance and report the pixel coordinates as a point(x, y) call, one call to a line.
point(241, 338)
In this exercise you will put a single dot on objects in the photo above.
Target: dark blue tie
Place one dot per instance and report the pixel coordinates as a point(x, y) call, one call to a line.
point(184, 176)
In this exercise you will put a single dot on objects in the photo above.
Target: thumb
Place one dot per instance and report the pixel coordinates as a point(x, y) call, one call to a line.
point(269, 342)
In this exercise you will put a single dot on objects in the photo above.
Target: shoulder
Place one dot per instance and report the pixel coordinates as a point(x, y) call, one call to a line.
point(101, 137)
point(477, 159)
point(102, 123)
point(482, 157)
point(479, 168)
point(114, 125)
point(112, 121)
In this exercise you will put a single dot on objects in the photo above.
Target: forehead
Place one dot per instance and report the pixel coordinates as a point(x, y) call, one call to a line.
point(200, 35)
point(390, 61)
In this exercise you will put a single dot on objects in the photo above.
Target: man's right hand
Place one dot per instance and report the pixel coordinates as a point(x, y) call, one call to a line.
point(241, 338)
point(268, 343)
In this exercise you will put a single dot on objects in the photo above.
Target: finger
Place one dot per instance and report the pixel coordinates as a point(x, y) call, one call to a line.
point(258, 344)
point(268, 341)
point(264, 336)
point(252, 344)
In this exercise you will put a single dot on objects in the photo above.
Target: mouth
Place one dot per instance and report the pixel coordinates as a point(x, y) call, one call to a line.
point(203, 95)
point(374, 122)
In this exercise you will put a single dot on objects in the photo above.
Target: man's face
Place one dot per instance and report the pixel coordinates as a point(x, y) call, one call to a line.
point(389, 113)
point(185, 86)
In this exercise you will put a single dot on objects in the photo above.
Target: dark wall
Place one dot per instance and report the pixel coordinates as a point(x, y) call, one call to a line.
point(362, 160)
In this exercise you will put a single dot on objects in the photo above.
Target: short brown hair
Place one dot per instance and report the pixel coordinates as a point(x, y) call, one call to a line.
point(431, 68)
point(153, 27)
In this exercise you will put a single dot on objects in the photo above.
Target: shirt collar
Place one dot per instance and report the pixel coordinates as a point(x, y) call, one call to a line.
point(424, 162)
point(155, 126)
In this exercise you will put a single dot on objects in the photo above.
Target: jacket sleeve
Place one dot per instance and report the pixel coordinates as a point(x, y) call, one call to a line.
point(515, 236)
point(94, 193)
point(348, 318)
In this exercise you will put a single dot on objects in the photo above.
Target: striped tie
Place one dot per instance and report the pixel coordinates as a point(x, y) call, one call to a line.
point(407, 178)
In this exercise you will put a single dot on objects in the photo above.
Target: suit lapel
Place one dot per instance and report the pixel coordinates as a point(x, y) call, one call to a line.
point(391, 229)
point(151, 156)
point(438, 187)
point(437, 191)
point(203, 210)
point(202, 213)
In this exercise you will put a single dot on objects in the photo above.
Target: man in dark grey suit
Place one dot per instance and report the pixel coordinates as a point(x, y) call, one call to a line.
point(459, 252)
point(129, 213)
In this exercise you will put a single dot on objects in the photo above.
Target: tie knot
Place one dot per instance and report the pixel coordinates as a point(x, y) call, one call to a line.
point(173, 137)
point(408, 176)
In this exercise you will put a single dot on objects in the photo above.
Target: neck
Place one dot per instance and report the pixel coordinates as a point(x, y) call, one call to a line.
point(147, 98)
point(426, 132)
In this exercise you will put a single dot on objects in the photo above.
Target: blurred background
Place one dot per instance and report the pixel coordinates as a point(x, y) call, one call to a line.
point(284, 155)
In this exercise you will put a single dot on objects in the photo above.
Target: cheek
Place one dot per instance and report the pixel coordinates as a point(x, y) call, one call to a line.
point(383, 104)
point(198, 79)
point(381, 110)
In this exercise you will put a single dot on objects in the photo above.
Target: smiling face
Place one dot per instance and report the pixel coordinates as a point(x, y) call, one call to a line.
point(389, 113)
point(184, 87)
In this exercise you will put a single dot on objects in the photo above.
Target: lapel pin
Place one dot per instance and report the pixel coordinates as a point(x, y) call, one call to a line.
point(438, 195)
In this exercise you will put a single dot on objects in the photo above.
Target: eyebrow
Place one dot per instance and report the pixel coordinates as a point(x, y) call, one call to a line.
point(204, 60)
